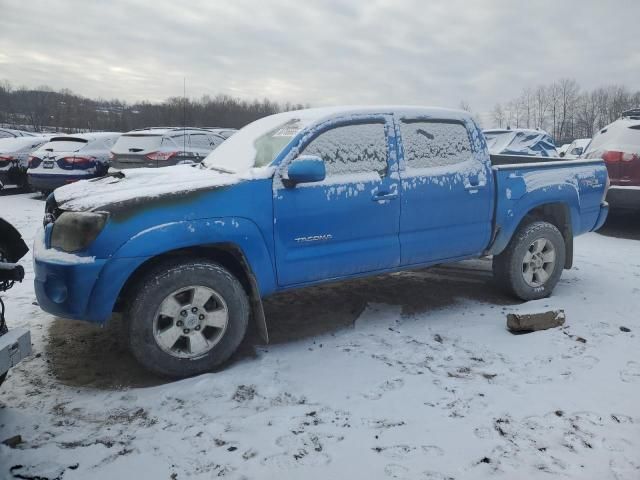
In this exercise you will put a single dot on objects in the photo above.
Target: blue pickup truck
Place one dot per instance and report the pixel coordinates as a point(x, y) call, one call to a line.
point(187, 253)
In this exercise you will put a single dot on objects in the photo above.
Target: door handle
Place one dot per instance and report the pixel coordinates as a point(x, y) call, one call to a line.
point(380, 196)
point(473, 184)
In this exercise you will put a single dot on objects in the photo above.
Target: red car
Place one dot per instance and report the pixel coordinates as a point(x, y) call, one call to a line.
point(618, 144)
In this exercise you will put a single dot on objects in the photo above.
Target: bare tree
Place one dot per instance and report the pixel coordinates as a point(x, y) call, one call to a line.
point(498, 115)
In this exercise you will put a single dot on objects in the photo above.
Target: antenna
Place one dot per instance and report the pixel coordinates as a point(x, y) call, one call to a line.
point(184, 115)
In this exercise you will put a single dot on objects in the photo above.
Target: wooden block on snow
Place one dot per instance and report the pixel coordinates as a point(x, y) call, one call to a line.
point(531, 322)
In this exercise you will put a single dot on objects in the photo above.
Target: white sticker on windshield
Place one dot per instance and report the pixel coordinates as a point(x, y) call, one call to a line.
point(288, 130)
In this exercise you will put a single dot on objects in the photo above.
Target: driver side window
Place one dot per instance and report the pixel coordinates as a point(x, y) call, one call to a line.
point(349, 149)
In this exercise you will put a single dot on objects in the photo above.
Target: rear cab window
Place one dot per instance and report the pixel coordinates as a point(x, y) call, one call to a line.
point(433, 143)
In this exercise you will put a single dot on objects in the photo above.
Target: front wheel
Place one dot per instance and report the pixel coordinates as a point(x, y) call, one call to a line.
point(531, 265)
point(187, 318)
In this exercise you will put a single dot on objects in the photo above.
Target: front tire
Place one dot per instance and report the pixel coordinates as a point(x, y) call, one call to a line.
point(531, 265)
point(187, 318)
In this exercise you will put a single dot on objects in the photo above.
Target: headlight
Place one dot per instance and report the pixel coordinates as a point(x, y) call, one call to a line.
point(74, 231)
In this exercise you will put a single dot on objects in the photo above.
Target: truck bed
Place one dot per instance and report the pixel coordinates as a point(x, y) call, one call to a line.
point(500, 159)
point(524, 183)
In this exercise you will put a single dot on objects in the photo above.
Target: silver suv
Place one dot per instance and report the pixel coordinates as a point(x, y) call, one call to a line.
point(163, 146)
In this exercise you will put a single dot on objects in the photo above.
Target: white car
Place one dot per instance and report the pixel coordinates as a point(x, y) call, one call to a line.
point(11, 133)
point(66, 159)
point(576, 148)
point(14, 157)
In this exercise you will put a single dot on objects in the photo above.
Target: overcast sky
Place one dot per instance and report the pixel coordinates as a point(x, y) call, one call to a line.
point(321, 52)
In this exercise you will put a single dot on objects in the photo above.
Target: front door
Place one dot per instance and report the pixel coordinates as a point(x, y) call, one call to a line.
point(348, 223)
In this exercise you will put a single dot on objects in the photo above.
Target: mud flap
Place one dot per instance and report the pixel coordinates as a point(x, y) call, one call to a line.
point(259, 317)
point(257, 310)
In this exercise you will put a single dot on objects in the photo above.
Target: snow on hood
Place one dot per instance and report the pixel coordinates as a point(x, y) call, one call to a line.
point(146, 183)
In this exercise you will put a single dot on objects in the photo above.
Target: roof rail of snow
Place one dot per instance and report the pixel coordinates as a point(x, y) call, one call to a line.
point(633, 113)
point(161, 130)
point(89, 137)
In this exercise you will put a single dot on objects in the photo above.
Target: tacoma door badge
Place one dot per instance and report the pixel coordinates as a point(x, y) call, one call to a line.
point(314, 238)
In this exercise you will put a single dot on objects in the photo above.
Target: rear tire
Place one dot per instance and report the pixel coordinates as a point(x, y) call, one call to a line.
point(531, 265)
point(187, 318)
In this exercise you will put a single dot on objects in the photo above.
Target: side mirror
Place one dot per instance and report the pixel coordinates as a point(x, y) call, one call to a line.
point(305, 169)
point(562, 154)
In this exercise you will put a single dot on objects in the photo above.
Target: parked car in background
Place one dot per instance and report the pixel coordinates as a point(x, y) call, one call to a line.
point(562, 149)
point(14, 157)
point(575, 148)
point(520, 141)
point(618, 144)
point(296, 199)
point(223, 132)
point(66, 159)
point(161, 147)
point(11, 133)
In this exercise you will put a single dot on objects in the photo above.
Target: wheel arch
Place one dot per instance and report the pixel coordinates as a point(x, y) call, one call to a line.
point(228, 255)
point(557, 214)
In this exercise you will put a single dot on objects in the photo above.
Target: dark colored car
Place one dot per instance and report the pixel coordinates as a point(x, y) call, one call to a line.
point(618, 144)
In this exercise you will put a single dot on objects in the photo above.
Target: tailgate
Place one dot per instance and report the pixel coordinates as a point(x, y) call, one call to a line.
point(131, 161)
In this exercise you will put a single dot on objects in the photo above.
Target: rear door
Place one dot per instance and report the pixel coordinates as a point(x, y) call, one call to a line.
point(447, 192)
point(348, 223)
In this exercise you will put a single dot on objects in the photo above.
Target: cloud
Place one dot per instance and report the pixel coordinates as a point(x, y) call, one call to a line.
point(320, 52)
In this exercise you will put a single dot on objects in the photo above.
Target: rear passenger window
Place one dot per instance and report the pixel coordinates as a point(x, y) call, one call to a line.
point(200, 140)
point(433, 144)
point(351, 149)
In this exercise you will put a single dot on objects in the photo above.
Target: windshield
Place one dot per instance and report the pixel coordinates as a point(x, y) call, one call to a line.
point(65, 145)
point(260, 142)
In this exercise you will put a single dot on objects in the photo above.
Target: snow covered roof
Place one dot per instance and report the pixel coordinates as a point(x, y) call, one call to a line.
point(89, 137)
point(165, 130)
point(13, 144)
point(622, 135)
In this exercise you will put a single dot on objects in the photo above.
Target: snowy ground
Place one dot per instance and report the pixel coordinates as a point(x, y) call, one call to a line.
point(403, 376)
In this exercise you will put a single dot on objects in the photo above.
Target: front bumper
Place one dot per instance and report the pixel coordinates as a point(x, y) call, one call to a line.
point(73, 287)
point(15, 346)
point(624, 197)
point(45, 182)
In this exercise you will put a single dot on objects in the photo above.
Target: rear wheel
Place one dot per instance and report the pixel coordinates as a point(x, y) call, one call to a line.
point(187, 318)
point(531, 265)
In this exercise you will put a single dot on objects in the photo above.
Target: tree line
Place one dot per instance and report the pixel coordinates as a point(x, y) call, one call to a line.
point(564, 110)
point(44, 109)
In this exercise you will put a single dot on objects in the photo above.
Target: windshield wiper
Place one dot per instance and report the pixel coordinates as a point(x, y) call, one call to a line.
point(220, 169)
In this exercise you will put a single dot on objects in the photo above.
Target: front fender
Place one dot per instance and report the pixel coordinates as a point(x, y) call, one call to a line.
point(238, 231)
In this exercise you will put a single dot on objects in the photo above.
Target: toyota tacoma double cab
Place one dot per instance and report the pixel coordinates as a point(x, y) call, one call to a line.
point(187, 253)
